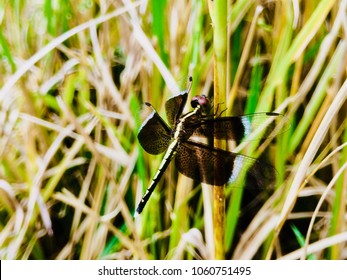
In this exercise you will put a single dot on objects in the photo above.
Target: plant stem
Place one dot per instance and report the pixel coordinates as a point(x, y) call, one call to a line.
point(219, 17)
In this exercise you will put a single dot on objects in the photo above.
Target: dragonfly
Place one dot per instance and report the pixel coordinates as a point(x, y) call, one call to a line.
point(196, 158)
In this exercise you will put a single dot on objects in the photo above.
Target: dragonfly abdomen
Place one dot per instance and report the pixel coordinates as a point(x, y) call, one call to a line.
point(163, 166)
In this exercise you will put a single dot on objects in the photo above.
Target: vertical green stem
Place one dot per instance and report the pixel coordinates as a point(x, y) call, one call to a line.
point(219, 17)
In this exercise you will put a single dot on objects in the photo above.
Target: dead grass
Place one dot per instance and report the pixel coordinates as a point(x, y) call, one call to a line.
point(73, 78)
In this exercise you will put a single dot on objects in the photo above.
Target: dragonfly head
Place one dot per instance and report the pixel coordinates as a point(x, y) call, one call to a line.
point(202, 101)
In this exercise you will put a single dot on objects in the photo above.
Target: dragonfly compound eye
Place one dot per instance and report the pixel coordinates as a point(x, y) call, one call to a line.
point(201, 100)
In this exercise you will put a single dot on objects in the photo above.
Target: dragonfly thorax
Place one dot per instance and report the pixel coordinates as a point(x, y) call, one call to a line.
point(186, 124)
point(181, 132)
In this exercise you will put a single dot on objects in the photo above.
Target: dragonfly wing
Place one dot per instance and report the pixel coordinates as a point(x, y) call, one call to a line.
point(238, 128)
point(174, 107)
point(218, 167)
point(154, 134)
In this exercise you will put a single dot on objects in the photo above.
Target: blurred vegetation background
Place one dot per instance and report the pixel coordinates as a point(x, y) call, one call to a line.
point(73, 77)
